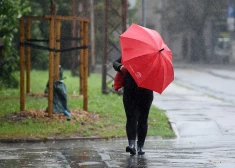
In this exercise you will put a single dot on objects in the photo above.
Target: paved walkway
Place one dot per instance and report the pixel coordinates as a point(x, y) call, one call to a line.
point(193, 113)
point(206, 152)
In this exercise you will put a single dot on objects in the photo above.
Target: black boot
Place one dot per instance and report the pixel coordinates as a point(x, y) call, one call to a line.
point(131, 147)
point(140, 146)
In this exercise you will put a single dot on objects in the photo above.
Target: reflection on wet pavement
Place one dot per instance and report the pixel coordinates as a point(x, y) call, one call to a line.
point(200, 152)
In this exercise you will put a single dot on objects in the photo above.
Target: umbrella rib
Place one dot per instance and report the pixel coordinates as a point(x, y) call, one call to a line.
point(147, 44)
point(164, 80)
point(151, 37)
point(152, 68)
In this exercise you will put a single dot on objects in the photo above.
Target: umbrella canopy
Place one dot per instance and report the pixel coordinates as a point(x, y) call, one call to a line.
point(147, 58)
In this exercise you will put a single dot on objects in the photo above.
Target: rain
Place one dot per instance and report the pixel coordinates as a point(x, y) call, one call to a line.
point(199, 101)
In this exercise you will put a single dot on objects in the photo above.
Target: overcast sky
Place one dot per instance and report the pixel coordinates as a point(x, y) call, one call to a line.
point(132, 3)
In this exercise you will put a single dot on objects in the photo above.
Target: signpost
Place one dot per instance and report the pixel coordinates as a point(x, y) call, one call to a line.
point(230, 18)
point(231, 28)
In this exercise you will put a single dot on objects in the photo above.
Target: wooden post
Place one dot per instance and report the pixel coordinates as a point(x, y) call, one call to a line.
point(81, 65)
point(22, 50)
point(51, 66)
point(57, 56)
point(85, 85)
point(28, 53)
point(53, 35)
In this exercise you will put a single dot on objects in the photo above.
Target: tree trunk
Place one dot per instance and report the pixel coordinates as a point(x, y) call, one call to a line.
point(198, 48)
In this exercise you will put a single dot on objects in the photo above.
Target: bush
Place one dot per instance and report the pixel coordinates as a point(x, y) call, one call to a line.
point(10, 11)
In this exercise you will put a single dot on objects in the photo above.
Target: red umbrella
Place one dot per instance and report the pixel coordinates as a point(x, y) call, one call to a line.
point(147, 58)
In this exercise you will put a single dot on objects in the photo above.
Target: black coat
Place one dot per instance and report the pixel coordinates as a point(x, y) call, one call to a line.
point(129, 82)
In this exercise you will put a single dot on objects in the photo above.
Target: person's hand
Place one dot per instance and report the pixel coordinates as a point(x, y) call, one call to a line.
point(123, 69)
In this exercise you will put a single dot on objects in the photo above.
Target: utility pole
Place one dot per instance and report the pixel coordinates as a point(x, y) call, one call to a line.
point(143, 13)
point(74, 34)
point(231, 27)
point(92, 34)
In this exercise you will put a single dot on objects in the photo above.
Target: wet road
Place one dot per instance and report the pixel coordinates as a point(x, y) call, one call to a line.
point(184, 153)
point(200, 106)
point(215, 82)
point(200, 102)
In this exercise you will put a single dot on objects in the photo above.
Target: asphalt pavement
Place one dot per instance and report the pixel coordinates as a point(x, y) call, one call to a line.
point(204, 125)
point(193, 112)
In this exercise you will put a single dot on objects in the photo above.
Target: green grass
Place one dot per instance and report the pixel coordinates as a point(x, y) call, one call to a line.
point(109, 108)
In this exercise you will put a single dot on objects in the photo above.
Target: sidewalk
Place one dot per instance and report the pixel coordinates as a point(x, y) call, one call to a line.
point(221, 70)
point(192, 113)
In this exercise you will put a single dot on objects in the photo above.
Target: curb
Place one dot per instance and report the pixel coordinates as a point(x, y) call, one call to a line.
point(34, 140)
point(174, 128)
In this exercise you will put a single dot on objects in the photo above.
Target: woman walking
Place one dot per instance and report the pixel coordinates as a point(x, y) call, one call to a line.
point(137, 102)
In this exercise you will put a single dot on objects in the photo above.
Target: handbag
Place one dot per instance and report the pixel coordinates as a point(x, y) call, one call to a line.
point(118, 81)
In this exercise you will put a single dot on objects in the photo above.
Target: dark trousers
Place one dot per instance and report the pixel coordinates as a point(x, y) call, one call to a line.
point(137, 102)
